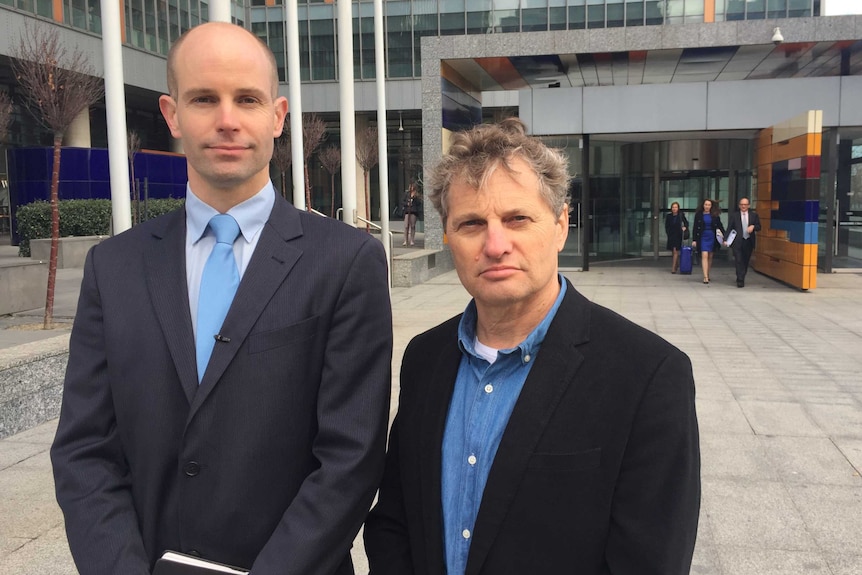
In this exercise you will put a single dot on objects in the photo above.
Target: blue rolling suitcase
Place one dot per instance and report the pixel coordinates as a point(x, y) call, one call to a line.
point(685, 260)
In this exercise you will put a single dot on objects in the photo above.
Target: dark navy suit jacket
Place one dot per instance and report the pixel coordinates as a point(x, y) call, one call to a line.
point(273, 460)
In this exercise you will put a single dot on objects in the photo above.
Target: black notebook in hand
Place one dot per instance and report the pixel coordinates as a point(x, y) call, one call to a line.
point(173, 563)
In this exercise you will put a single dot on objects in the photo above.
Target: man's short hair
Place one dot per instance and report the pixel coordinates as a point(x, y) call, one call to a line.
point(173, 84)
point(474, 154)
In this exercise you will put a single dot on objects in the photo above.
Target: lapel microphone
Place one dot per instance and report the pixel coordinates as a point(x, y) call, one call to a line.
point(222, 339)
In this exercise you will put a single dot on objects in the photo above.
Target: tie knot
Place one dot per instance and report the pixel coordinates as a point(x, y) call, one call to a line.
point(225, 228)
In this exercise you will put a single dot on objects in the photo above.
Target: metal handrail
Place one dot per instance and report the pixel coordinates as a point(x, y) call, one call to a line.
point(389, 251)
point(372, 224)
point(312, 210)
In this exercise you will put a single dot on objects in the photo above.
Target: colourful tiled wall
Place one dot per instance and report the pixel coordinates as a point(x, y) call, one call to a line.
point(788, 200)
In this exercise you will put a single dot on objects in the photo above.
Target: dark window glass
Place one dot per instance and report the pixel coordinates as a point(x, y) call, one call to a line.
point(304, 52)
point(507, 21)
point(478, 22)
point(616, 13)
point(596, 16)
point(755, 10)
point(399, 47)
point(535, 19)
point(276, 43)
point(367, 26)
point(653, 14)
point(357, 55)
point(735, 9)
point(451, 24)
point(577, 17)
point(776, 8)
point(323, 49)
point(557, 17)
point(799, 9)
point(635, 13)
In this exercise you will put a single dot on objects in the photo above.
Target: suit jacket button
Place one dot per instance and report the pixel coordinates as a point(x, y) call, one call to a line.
point(192, 468)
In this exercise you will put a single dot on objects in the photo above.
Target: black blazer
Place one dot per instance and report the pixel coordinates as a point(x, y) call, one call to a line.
point(673, 229)
point(697, 229)
point(273, 460)
point(598, 470)
point(735, 223)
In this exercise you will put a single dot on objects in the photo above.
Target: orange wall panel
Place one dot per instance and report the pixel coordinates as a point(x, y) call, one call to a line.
point(794, 148)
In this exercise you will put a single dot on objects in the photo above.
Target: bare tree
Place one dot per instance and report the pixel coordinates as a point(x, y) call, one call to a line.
point(330, 157)
point(134, 147)
point(5, 114)
point(367, 156)
point(281, 157)
point(313, 134)
point(58, 87)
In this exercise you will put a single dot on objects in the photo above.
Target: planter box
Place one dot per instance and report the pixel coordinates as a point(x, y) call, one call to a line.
point(71, 253)
point(22, 286)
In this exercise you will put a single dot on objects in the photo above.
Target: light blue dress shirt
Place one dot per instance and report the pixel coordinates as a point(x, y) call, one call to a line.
point(484, 397)
point(251, 215)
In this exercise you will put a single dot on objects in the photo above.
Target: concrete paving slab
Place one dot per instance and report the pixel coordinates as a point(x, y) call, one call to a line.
point(832, 514)
point(715, 416)
point(773, 562)
point(852, 450)
point(735, 457)
point(841, 420)
point(845, 564)
point(809, 460)
point(779, 418)
point(755, 515)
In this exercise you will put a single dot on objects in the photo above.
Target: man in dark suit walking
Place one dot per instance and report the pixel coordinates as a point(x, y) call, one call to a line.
point(746, 224)
point(537, 432)
point(255, 440)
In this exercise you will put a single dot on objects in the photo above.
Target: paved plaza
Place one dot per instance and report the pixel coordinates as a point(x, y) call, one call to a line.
point(779, 399)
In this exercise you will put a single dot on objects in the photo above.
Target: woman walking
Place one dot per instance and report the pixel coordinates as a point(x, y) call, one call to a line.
point(706, 221)
point(675, 226)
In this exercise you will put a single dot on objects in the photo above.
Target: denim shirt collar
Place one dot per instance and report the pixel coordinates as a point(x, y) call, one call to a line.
point(528, 348)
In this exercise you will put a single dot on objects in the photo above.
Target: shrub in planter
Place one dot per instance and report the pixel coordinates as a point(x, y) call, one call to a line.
point(77, 218)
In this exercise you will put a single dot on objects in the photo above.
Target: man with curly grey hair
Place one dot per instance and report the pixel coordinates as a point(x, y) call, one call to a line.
point(537, 432)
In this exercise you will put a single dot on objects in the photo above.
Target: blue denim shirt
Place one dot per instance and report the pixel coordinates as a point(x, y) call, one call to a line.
point(483, 399)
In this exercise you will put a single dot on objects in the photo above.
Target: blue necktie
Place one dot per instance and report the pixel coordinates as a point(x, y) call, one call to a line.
point(218, 286)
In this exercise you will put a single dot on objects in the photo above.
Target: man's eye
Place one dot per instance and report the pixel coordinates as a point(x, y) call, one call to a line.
point(248, 100)
point(202, 100)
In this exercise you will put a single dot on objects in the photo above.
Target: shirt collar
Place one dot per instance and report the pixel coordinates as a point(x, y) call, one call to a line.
point(251, 215)
point(528, 348)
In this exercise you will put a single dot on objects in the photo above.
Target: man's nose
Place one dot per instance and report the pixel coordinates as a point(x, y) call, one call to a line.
point(497, 241)
point(227, 117)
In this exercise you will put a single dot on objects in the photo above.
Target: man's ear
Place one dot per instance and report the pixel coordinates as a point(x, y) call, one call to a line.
point(563, 223)
point(280, 106)
point(168, 107)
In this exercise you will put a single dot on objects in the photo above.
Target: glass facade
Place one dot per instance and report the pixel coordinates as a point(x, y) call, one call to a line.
point(407, 21)
point(153, 25)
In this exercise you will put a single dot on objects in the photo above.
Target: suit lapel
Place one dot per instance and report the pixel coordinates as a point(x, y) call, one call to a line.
point(273, 258)
point(165, 263)
point(440, 385)
point(554, 372)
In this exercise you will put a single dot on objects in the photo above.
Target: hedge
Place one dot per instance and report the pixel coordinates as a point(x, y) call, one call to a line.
point(78, 218)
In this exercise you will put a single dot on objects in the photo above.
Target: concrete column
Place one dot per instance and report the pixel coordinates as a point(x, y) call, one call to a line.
point(78, 134)
point(177, 146)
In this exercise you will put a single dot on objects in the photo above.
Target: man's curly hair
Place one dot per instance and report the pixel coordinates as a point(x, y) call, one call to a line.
point(475, 153)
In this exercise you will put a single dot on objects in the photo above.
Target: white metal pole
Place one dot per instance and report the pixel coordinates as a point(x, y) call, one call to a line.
point(220, 11)
point(347, 105)
point(294, 91)
point(383, 166)
point(115, 108)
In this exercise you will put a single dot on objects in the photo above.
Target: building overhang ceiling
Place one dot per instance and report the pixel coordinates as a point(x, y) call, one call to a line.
point(661, 66)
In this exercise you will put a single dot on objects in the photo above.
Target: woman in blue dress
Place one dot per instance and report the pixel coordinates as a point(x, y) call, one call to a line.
point(707, 219)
